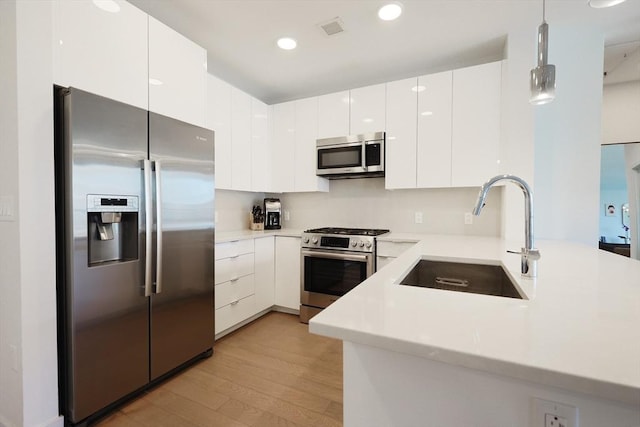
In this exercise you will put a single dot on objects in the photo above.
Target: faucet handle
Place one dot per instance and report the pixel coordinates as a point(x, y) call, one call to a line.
point(531, 253)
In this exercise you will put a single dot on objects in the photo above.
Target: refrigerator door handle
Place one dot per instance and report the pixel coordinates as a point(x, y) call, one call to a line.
point(148, 226)
point(158, 172)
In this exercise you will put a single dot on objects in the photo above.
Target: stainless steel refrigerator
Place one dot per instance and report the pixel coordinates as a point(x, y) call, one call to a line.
point(135, 242)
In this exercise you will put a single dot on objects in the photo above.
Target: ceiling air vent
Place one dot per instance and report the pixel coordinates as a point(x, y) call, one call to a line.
point(332, 27)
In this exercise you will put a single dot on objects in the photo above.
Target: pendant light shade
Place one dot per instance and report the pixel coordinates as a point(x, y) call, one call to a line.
point(543, 77)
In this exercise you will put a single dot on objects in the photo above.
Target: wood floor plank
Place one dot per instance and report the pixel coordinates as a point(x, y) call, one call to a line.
point(190, 410)
point(271, 372)
point(274, 389)
point(119, 419)
point(241, 411)
point(297, 381)
point(144, 412)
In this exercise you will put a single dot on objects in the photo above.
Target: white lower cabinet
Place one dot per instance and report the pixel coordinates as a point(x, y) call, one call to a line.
point(234, 291)
point(288, 273)
point(388, 251)
point(244, 281)
point(232, 314)
point(264, 273)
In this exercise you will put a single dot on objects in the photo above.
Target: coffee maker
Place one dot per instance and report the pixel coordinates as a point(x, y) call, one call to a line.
point(272, 214)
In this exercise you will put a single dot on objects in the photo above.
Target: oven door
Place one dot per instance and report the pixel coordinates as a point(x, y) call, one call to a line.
point(327, 275)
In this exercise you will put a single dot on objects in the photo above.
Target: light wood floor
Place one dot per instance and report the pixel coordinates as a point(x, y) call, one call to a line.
point(272, 372)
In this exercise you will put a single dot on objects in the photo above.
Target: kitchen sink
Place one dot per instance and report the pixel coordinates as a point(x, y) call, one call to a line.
point(462, 277)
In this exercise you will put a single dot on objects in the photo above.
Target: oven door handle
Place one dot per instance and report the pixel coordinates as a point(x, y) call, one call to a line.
point(334, 255)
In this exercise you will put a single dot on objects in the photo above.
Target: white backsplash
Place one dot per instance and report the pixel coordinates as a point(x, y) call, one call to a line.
point(365, 203)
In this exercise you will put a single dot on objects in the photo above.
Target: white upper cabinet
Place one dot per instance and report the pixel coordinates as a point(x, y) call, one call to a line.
point(402, 100)
point(283, 156)
point(102, 52)
point(367, 109)
point(260, 149)
point(333, 114)
point(177, 75)
point(476, 124)
point(306, 133)
point(219, 120)
point(241, 161)
point(434, 130)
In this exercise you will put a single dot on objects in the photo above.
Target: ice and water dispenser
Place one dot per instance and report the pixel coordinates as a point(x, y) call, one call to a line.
point(112, 223)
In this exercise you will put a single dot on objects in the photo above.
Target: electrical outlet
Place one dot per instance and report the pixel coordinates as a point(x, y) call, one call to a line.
point(418, 218)
point(546, 413)
point(287, 216)
point(551, 420)
point(468, 218)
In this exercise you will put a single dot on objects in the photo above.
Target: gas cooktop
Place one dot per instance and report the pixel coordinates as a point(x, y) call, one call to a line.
point(348, 231)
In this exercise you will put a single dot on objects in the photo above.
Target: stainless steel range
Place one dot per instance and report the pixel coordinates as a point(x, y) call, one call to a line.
point(334, 261)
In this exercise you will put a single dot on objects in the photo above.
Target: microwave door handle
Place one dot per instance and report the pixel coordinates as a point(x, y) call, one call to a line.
point(364, 157)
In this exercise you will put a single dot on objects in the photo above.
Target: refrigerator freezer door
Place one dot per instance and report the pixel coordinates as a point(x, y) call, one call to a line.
point(106, 324)
point(182, 307)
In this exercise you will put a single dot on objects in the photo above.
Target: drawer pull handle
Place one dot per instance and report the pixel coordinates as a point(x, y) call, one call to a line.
point(234, 256)
point(235, 302)
point(234, 279)
point(450, 281)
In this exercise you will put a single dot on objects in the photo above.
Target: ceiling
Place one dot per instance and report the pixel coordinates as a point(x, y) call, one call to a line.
point(430, 36)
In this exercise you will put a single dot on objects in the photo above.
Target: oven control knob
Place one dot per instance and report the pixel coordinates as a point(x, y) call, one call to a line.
point(314, 240)
point(305, 240)
point(362, 244)
point(354, 244)
point(368, 245)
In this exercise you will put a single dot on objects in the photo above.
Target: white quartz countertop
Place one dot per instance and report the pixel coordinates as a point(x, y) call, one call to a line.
point(578, 329)
point(230, 236)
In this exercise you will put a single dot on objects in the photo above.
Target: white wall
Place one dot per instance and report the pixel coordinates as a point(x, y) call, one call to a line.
point(516, 142)
point(567, 139)
point(10, 379)
point(364, 203)
point(621, 112)
point(632, 167)
point(233, 209)
point(28, 286)
point(611, 226)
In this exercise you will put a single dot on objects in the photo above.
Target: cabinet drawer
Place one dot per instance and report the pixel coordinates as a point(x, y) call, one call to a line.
point(234, 248)
point(234, 290)
point(393, 249)
point(232, 268)
point(232, 314)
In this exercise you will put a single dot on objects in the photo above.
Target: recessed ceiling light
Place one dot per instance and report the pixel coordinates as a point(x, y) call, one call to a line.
point(390, 11)
point(155, 82)
point(418, 88)
point(367, 120)
point(599, 4)
point(287, 43)
point(427, 113)
point(107, 5)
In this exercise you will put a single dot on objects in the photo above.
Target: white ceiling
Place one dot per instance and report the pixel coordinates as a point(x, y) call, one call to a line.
point(431, 35)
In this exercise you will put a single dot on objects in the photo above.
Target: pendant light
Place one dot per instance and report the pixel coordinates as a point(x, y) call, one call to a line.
point(543, 77)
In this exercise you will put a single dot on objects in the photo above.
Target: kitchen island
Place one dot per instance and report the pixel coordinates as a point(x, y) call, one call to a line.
point(420, 356)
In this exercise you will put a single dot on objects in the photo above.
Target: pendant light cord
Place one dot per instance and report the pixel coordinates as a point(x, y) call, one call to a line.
point(543, 11)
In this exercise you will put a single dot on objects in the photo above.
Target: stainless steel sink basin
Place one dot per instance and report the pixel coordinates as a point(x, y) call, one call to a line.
point(462, 277)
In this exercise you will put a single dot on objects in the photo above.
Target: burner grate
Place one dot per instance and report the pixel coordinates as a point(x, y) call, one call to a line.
point(348, 231)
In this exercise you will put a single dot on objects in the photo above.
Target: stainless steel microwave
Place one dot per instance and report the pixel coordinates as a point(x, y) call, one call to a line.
point(354, 156)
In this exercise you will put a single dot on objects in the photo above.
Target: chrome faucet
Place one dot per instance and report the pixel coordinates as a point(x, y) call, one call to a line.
point(529, 255)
